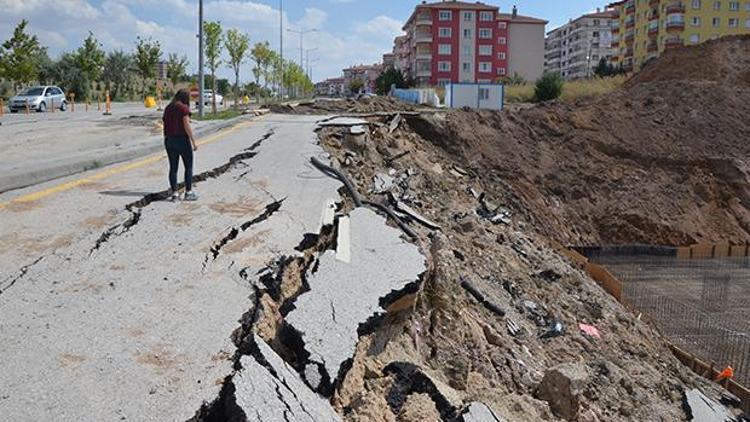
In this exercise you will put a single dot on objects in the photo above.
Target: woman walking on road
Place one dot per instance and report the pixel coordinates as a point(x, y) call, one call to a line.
point(179, 142)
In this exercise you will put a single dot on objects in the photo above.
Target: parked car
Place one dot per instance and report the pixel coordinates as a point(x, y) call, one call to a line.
point(39, 98)
point(208, 98)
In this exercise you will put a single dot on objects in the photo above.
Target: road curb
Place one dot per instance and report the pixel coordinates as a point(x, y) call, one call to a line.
point(94, 159)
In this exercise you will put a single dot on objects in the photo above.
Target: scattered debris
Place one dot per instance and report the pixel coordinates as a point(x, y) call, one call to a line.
point(702, 409)
point(556, 330)
point(561, 387)
point(589, 330)
point(480, 412)
point(416, 216)
point(466, 284)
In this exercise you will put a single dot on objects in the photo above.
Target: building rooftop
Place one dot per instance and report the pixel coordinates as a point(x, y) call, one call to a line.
point(520, 19)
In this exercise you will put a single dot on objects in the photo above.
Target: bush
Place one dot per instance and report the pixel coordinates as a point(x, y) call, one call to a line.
point(549, 87)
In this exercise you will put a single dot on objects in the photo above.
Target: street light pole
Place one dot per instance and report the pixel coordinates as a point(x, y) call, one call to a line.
point(302, 33)
point(200, 58)
point(307, 61)
point(281, 49)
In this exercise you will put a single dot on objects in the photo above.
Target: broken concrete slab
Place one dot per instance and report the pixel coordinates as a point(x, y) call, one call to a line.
point(561, 388)
point(381, 264)
point(700, 408)
point(343, 121)
point(416, 216)
point(480, 412)
point(267, 389)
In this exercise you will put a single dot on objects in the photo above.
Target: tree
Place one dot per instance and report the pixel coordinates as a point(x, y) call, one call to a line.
point(146, 57)
point(67, 73)
point(118, 72)
point(176, 67)
point(212, 31)
point(356, 85)
point(19, 55)
point(237, 45)
point(90, 60)
point(263, 57)
point(549, 86)
point(390, 77)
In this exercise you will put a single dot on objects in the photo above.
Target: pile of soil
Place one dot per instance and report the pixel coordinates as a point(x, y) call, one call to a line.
point(661, 161)
point(451, 349)
point(361, 105)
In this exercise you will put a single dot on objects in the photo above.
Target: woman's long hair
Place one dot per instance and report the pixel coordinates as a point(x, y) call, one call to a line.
point(182, 96)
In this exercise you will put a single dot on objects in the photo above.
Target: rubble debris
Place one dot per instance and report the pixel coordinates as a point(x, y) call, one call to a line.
point(370, 106)
point(267, 389)
point(416, 216)
point(410, 379)
point(337, 174)
point(589, 330)
point(395, 122)
point(556, 330)
point(513, 328)
point(466, 284)
point(561, 387)
point(382, 183)
point(354, 292)
point(480, 412)
point(703, 409)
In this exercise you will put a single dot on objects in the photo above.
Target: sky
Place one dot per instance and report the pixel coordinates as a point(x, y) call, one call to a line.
point(348, 32)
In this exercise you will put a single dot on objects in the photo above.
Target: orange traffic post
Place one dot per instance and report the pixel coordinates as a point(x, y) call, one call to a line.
point(107, 105)
point(27, 106)
point(2, 108)
point(87, 105)
point(52, 104)
point(72, 102)
point(98, 103)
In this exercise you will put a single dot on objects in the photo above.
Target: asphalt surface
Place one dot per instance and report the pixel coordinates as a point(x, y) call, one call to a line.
point(43, 146)
point(117, 307)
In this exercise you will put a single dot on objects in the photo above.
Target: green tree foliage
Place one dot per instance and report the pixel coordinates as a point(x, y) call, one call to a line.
point(90, 60)
point(146, 57)
point(605, 69)
point(19, 56)
point(68, 75)
point(176, 67)
point(213, 46)
point(549, 86)
point(117, 74)
point(237, 45)
point(263, 57)
point(390, 77)
point(356, 85)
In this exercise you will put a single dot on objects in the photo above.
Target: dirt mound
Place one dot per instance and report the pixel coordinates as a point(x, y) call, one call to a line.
point(361, 105)
point(725, 60)
point(451, 349)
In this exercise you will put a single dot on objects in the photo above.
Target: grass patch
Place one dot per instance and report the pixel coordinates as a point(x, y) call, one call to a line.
point(572, 90)
point(220, 115)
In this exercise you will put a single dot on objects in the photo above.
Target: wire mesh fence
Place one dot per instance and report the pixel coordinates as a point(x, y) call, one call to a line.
point(702, 305)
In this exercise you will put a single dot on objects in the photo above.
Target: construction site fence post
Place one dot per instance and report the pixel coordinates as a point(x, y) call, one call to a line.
point(2, 108)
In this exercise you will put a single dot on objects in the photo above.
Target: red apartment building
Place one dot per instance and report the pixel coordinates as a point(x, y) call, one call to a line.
point(455, 41)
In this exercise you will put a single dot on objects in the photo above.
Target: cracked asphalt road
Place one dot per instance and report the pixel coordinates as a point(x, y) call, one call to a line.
point(138, 327)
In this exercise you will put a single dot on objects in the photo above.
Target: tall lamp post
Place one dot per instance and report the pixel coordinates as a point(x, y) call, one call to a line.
point(307, 61)
point(302, 33)
point(200, 58)
point(281, 49)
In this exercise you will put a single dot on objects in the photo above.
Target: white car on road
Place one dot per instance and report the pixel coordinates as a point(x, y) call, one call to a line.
point(208, 98)
point(39, 98)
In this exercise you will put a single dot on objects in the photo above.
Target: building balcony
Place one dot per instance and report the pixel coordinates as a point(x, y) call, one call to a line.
point(675, 26)
point(424, 37)
point(615, 44)
point(630, 24)
point(675, 8)
point(616, 29)
point(653, 30)
point(629, 52)
point(629, 38)
point(673, 42)
point(423, 55)
point(424, 20)
point(652, 47)
point(423, 73)
point(629, 10)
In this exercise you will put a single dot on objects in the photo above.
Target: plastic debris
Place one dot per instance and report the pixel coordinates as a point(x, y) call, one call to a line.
point(589, 330)
point(556, 330)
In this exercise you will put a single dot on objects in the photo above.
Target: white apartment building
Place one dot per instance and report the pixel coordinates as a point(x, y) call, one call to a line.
point(576, 48)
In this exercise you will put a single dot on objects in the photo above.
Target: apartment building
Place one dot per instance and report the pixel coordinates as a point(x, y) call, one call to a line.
point(646, 28)
point(575, 49)
point(455, 41)
point(366, 73)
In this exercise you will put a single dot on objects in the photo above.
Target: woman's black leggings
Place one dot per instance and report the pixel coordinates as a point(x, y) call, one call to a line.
point(179, 146)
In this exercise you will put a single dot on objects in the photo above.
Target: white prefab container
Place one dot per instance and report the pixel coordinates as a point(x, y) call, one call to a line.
point(481, 96)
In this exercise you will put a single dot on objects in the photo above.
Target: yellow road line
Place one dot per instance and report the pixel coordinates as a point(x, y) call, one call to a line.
point(35, 196)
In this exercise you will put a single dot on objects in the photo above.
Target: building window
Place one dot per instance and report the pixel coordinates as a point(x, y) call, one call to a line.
point(443, 82)
point(444, 32)
point(485, 16)
point(466, 66)
point(467, 50)
point(501, 71)
point(501, 55)
point(485, 33)
point(485, 67)
point(502, 40)
point(695, 38)
point(716, 22)
point(697, 4)
point(717, 5)
point(467, 33)
point(445, 15)
point(485, 50)
point(468, 16)
point(504, 25)
point(484, 94)
point(444, 66)
point(734, 6)
point(734, 22)
point(444, 49)
point(695, 21)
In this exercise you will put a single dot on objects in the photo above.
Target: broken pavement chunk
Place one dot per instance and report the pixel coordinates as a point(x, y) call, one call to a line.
point(344, 296)
point(561, 387)
point(381, 183)
point(480, 412)
point(702, 409)
point(394, 123)
point(268, 389)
